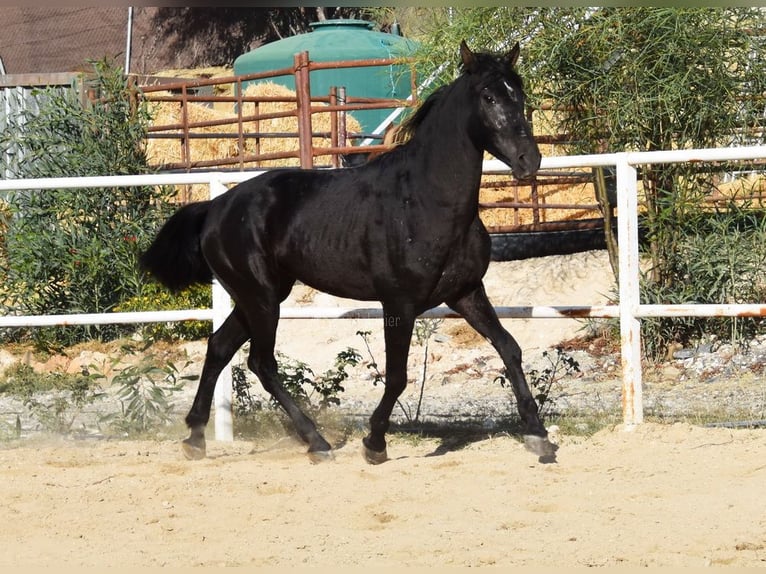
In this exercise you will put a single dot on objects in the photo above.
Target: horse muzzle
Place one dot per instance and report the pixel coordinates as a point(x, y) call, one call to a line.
point(527, 163)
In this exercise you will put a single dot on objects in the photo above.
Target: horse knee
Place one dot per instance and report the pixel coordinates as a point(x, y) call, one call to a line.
point(395, 386)
point(507, 346)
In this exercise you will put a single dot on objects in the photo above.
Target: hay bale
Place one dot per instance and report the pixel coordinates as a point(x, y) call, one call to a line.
point(497, 189)
point(163, 151)
point(321, 123)
point(166, 150)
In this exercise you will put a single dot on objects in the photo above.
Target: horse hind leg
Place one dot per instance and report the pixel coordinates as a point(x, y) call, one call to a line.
point(221, 347)
point(264, 365)
point(262, 362)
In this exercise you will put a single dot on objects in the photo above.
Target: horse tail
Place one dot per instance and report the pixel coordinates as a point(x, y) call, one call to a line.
point(175, 256)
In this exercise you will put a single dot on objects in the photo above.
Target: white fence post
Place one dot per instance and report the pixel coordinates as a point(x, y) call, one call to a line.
point(630, 326)
point(222, 398)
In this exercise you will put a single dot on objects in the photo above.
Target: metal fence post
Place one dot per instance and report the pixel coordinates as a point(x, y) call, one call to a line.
point(222, 398)
point(630, 326)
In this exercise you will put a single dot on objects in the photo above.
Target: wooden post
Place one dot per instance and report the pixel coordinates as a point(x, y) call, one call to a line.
point(240, 125)
point(303, 93)
point(334, 126)
point(599, 182)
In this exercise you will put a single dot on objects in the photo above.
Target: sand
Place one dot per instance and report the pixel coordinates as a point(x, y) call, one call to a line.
point(656, 494)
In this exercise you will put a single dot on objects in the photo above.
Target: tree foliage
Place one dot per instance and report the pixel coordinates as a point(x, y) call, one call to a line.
point(638, 78)
point(656, 79)
point(630, 78)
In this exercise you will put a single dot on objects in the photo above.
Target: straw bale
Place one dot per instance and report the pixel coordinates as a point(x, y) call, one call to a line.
point(746, 191)
point(202, 73)
point(163, 151)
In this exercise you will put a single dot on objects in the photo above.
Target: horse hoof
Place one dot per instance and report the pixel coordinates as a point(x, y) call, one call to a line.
point(193, 451)
point(320, 456)
point(373, 456)
point(541, 446)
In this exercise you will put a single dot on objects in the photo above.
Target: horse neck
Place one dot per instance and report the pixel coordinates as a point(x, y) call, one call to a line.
point(446, 151)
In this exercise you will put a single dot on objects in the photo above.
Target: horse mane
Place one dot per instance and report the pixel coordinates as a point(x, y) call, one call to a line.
point(408, 127)
point(492, 66)
point(402, 133)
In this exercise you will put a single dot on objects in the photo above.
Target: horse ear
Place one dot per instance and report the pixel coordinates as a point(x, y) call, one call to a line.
point(513, 55)
point(467, 56)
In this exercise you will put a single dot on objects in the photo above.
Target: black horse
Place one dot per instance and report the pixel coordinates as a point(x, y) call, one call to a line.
point(402, 229)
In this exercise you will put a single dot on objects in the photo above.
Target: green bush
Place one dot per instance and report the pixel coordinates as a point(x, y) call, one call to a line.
point(300, 381)
point(75, 250)
point(154, 297)
point(144, 391)
point(313, 392)
point(716, 258)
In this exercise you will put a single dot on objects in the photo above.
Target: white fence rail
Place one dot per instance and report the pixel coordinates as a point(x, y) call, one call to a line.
point(629, 309)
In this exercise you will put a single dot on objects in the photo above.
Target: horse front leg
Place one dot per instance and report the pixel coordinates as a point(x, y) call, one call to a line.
point(398, 326)
point(479, 313)
point(221, 347)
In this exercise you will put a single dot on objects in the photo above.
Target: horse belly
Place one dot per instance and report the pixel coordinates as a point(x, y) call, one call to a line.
point(339, 281)
point(329, 262)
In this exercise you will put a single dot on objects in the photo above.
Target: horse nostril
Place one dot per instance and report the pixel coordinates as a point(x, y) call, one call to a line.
point(524, 161)
point(529, 164)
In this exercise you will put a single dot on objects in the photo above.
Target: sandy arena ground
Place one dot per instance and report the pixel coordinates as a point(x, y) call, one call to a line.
point(653, 495)
point(656, 495)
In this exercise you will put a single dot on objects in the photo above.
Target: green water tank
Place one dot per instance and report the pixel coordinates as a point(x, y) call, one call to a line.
point(340, 40)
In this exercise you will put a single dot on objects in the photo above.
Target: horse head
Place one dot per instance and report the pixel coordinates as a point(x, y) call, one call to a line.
point(500, 126)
